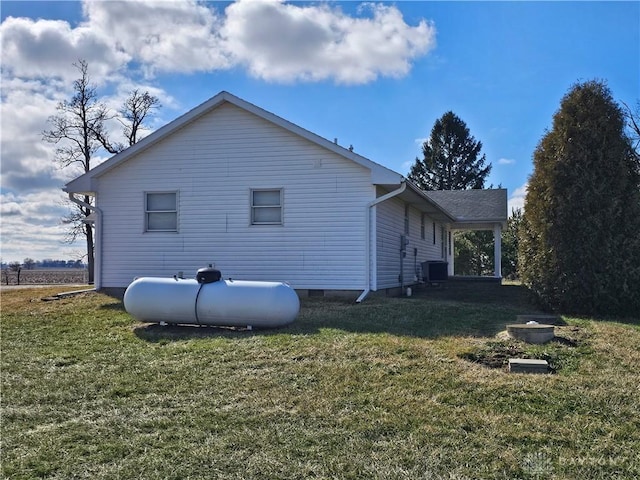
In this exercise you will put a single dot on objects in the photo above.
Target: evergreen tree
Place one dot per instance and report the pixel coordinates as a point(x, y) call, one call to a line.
point(450, 158)
point(510, 238)
point(452, 161)
point(579, 247)
point(474, 254)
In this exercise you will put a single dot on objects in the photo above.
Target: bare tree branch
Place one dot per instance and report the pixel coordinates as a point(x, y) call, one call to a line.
point(135, 111)
point(76, 123)
point(633, 122)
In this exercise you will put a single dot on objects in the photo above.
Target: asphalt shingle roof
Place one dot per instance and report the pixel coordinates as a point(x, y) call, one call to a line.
point(473, 205)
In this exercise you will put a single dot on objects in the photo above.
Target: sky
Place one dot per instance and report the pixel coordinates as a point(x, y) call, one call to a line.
point(375, 75)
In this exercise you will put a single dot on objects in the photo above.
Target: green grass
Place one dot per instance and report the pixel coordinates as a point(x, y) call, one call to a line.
point(380, 390)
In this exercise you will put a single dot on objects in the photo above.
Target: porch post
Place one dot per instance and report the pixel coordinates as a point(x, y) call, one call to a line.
point(497, 250)
point(450, 253)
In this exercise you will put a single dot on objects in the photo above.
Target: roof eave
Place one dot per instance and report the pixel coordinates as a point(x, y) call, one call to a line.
point(84, 184)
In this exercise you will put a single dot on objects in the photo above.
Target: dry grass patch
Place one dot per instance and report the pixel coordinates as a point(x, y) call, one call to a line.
point(348, 391)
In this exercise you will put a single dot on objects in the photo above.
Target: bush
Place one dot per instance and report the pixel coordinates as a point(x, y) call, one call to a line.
point(579, 247)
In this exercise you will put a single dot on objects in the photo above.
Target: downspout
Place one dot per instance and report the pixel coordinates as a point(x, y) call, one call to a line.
point(403, 187)
point(97, 272)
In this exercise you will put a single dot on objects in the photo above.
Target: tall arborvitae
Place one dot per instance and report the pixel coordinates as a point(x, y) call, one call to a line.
point(579, 248)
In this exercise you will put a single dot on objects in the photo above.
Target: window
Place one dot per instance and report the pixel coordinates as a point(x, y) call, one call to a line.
point(161, 212)
point(266, 207)
point(434, 233)
point(422, 234)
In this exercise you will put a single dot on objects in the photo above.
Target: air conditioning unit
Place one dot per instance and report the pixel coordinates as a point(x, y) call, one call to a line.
point(435, 271)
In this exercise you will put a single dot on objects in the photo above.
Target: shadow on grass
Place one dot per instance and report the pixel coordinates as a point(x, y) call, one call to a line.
point(116, 306)
point(429, 314)
point(484, 293)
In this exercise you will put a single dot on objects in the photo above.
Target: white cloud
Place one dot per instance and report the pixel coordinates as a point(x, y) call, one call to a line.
point(26, 159)
point(272, 40)
point(406, 166)
point(162, 36)
point(44, 49)
point(32, 226)
point(516, 200)
point(506, 161)
point(275, 41)
point(287, 42)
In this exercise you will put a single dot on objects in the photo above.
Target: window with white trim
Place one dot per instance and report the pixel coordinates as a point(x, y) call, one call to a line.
point(161, 211)
point(266, 206)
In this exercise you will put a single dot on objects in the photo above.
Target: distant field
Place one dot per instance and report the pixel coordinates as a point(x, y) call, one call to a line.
point(47, 276)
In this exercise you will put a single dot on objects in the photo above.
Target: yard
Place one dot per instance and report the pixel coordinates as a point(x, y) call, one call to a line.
point(380, 390)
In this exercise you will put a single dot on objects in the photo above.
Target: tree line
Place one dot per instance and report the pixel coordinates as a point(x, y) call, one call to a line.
point(31, 264)
point(15, 268)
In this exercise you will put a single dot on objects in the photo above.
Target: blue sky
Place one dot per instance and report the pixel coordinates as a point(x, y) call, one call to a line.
point(394, 68)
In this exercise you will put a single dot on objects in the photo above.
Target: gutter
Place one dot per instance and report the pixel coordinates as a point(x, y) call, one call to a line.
point(403, 187)
point(97, 270)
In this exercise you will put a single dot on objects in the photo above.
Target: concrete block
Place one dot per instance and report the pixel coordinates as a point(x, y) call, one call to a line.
point(528, 365)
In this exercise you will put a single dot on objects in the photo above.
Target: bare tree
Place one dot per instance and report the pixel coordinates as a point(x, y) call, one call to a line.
point(132, 115)
point(29, 263)
point(135, 111)
point(15, 267)
point(78, 130)
point(74, 129)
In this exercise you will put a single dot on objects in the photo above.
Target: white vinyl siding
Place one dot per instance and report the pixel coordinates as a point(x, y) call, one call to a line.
point(390, 225)
point(214, 163)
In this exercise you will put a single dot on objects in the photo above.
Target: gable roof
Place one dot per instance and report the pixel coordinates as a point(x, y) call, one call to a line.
point(465, 208)
point(473, 206)
point(84, 184)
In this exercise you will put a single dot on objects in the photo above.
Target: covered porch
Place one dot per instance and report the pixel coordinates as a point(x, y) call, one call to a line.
point(474, 210)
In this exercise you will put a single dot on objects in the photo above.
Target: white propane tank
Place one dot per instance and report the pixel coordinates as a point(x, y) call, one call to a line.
point(233, 303)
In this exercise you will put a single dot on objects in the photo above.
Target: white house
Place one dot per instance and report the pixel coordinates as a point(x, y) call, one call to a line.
point(231, 184)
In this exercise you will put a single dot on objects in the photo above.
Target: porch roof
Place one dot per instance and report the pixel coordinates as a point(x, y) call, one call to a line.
point(473, 209)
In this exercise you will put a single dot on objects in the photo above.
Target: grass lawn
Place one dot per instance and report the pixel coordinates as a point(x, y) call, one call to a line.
point(380, 390)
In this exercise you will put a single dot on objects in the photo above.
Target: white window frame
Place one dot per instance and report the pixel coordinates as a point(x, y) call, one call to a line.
point(253, 208)
point(148, 212)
